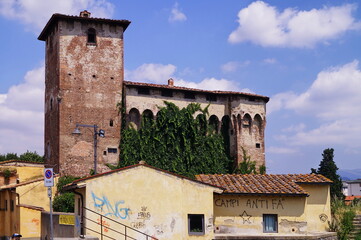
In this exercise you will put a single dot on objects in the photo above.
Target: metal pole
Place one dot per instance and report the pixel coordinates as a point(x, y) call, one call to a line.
point(95, 148)
point(51, 212)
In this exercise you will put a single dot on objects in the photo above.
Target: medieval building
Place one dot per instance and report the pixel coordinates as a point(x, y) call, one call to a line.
point(84, 86)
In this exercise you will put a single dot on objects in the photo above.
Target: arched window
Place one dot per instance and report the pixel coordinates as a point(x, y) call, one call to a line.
point(134, 118)
point(92, 37)
point(213, 123)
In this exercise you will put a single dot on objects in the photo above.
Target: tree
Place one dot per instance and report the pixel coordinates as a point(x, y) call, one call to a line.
point(64, 201)
point(176, 141)
point(329, 169)
point(31, 157)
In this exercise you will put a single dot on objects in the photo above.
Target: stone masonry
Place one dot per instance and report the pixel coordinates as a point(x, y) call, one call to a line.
point(84, 84)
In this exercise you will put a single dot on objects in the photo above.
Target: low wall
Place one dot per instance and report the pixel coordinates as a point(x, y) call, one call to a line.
point(63, 225)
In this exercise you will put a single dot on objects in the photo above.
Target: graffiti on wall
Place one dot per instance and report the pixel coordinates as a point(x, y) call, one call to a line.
point(104, 224)
point(323, 217)
point(275, 203)
point(246, 218)
point(142, 216)
point(117, 209)
point(265, 203)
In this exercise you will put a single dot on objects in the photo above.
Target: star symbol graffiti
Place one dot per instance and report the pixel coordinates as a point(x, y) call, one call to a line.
point(246, 217)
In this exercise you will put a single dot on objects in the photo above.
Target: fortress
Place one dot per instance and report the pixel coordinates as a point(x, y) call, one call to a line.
point(84, 84)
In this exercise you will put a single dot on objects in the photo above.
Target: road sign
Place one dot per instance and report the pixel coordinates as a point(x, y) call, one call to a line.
point(48, 177)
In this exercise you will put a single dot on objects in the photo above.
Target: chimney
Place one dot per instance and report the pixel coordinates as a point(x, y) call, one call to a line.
point(85, 14)
point(170, 82)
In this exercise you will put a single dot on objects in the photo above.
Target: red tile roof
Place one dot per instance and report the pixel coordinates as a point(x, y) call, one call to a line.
point(56, 17)
point(140, 84)
point(263, 184)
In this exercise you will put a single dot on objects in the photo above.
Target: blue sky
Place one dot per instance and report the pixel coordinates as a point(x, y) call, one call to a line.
point(304, 55)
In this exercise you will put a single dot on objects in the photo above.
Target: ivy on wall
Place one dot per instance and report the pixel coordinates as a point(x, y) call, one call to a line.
point(177, 142)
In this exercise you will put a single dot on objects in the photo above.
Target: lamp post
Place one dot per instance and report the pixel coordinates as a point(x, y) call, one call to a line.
point(100, 133)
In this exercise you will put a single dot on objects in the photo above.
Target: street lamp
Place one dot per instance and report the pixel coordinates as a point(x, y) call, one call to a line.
point(100, 133)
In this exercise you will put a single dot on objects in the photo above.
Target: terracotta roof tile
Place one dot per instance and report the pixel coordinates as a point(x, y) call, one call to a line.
point(141, 84)
point(263, 184)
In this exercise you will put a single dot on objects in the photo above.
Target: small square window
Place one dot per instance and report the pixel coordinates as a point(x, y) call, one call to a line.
point(112, 150)
point(258, 145)
point(270, 223)
point(144, 91)
point(196, 224)
point(167, 93)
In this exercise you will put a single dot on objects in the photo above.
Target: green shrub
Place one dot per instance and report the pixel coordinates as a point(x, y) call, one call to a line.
point(64, 203)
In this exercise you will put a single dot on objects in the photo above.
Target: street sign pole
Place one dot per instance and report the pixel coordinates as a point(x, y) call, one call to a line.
point(49, 182)
point(51, 212)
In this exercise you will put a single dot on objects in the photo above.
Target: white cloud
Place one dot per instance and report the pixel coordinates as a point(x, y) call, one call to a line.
point(265, 25)
point(22, 115)
point(176, 15)
point(160, 73)
point(334, 99)
point(151, 72)
point(210, 84)
point(25, 10)
point(233, 66)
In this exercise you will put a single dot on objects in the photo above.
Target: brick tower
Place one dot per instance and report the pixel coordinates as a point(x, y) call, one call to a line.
point(83, 85)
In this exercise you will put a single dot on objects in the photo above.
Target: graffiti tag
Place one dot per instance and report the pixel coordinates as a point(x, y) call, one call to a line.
point(103, 205)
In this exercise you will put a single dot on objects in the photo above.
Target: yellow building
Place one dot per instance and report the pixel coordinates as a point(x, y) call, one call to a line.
point(160, 204)
point(270, 205)
point(164, 205)
point(22, 198)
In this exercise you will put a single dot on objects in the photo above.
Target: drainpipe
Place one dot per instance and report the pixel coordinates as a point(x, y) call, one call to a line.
point(81, 213)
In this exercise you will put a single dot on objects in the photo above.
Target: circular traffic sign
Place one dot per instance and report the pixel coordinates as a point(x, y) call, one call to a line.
point(48, 174)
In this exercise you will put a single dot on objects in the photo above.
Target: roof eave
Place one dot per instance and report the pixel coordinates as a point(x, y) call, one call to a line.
point(56, 17)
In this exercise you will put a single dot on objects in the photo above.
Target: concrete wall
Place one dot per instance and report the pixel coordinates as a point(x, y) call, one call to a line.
point(150, 201)
point(236, 214)
point(60, 230)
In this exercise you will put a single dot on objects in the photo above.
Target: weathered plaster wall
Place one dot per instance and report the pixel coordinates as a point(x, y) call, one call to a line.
point(151, 201)
point(35, 194)
point(244, 214)
point(30, 222)
point(318, 211)
point(26, 173)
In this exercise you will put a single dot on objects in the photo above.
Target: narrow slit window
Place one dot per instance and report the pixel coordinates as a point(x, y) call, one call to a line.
point(91, 36)
point(112, 150)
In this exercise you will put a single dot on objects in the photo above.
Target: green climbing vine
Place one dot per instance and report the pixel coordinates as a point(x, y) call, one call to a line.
point(176, 141)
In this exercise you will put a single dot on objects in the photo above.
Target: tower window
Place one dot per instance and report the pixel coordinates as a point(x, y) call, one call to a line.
point(91, 36)
point(111, 123)
point(112, 150)
point(258, 145)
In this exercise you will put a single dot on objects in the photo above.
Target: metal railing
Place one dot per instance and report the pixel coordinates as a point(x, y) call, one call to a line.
point(125, 234)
